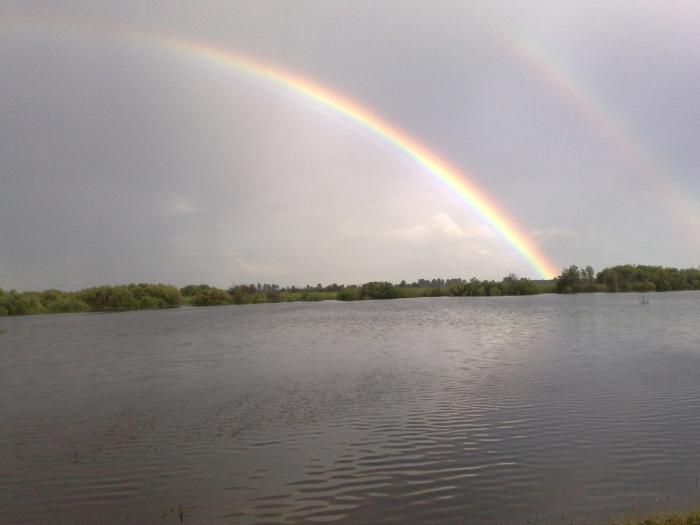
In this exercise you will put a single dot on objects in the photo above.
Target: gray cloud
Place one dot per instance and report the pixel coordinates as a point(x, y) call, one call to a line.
point(122, 162)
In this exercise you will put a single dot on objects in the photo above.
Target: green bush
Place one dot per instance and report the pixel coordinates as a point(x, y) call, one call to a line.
point(130, 297)
point(351, 293)
point(67, 303)
point(380, 290)
point(211, 297)
point(191, 289)
point(21, 303)
point(642, 278)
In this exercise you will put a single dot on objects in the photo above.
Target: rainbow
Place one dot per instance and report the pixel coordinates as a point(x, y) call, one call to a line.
point(609, 128)
point(454, 179)
point(450, 176)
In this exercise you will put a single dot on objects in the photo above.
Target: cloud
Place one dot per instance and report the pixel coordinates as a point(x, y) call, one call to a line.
point(118, 165)
point(439, 227)
point(415, 233)
point(442, 222)
point(552, 234)
point(178, 205)
point(260, 268)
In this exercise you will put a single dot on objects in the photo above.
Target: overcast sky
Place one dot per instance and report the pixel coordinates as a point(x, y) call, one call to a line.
point(121, 161)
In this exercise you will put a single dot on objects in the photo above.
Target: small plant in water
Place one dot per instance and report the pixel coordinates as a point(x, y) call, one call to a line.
point(692, 518)
point(179, 512)
point(643, 300)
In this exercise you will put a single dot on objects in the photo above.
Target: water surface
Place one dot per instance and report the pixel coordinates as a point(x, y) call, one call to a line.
point(552, 409)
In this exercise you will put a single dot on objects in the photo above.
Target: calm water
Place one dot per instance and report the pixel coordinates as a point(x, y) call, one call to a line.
point(550, 409)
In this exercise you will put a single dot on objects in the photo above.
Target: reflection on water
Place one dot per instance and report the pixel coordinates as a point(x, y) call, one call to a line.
point(550, 409)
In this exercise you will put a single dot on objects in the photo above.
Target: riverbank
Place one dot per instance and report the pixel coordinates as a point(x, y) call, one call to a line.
point(143, 296)
point(690, 518)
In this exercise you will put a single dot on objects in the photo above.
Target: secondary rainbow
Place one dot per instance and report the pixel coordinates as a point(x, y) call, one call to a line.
point(433, 164)
point(628, 149)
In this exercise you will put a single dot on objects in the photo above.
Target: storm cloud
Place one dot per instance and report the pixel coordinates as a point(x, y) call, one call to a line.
point(124, 162)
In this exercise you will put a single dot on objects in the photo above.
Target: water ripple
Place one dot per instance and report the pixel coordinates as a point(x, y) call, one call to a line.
point(501, 410)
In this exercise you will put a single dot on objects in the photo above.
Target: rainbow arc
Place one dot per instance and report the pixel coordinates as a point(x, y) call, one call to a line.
point(456, 180)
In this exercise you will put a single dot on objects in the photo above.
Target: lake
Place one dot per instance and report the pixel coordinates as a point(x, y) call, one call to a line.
point(541, 409)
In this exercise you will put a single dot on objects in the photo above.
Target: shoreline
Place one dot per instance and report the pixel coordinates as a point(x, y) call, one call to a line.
point(149, 296)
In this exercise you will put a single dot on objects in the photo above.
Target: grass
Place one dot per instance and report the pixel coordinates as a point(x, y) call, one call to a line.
point(179, 513)
point(690, 518)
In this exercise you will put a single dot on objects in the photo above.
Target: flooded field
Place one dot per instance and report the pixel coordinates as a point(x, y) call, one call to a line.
point(552, 409)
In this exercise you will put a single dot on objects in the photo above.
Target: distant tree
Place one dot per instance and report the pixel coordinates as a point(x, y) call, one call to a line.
point(349, 293)
point(379, 290)
point(569, 280)
point(589, 277)
point(458, 289)
point(211, 297)
point(608, 278)
point(191, 289)
point(273, 295)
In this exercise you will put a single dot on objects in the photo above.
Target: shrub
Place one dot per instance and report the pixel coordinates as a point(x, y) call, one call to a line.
point(351, 293)
point(380, 290)
point(211, 297)
point(66, 304)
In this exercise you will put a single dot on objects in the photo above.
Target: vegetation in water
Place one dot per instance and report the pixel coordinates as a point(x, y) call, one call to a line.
point(178, 513)
point(625, 278)
point(691, 518)
point(97, 299)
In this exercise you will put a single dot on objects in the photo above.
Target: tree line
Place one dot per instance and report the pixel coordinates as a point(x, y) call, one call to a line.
point(97, 299)
point(622, 278)
point(205, 295)
point(627, 278)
